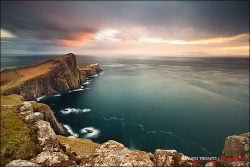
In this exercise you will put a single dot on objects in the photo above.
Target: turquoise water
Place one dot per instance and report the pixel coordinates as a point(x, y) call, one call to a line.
point(187, 104)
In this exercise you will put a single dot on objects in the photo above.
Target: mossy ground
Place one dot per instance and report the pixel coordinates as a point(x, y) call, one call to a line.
point(18, 140)
point(80, 146)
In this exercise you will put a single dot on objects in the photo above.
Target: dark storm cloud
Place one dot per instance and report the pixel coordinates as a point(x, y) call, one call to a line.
point(186, 20)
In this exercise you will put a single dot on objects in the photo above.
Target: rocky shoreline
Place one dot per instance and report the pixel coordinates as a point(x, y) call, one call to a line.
point(112, 153)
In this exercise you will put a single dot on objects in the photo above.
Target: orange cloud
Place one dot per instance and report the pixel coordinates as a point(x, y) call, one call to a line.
point(76, 39)
point(82, 36)
point(69, 42)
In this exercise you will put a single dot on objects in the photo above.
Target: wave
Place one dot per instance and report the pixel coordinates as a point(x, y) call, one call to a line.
point(74, 110)
point(40, 98)
point(73, 135)
point(86, 83)
point(95, 132)
point(80, 89)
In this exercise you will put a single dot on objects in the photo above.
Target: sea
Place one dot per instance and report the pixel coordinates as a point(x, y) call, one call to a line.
point(188, 104)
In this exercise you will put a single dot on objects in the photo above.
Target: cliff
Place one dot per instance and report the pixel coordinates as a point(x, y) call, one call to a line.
point(45, 78)
point(236, 150)
point(49, 116)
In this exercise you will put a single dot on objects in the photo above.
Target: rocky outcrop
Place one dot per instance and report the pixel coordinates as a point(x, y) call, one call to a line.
point(21, 163)
point(50, 117)
point(47, 158)
point(41, 112)
point(46, 136)
point(33, 117)
point(53, 75)
point(113, 153)
point(236, 150)
point(170, 158)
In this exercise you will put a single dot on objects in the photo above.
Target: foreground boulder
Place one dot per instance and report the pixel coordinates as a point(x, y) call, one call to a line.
point(113, 153)
point(171, 158)
point(47, 158)
point(236, 150)
point(21, 163)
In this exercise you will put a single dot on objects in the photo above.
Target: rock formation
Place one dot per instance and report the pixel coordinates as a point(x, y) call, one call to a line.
point(45, 78)
point(50, 117)
point(46, 136)
point(47, 158)
point(20, 162)
point(42, 112)
point(236, 150)
point(113, 153)
point(171, 158)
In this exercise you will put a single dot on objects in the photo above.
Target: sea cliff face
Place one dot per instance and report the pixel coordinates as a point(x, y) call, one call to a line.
point(45, 78)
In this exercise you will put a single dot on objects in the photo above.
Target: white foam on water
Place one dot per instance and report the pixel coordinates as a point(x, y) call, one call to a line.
point(76, 90)
point(94, 134)
point(86, 110)
point(39, 98)
point(86, 83)
point(73, 135)
point(57, 95)
point(74, 110)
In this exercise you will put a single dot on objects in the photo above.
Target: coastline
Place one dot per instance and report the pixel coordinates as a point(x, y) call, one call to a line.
point(109, 143)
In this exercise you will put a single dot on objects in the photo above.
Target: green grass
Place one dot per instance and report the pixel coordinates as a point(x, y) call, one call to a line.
point(11, 99)
point(18, 140)
point(80, 146)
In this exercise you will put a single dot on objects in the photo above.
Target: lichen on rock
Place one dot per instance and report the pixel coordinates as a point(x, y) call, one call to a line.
point(46, 136)
point(16, 163)
point(48, 158)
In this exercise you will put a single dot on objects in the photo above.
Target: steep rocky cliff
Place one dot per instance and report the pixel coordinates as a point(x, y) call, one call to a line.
point(49, 116)
point(45, 78)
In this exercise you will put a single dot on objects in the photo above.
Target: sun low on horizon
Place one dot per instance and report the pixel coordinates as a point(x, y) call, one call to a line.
point(170, 28)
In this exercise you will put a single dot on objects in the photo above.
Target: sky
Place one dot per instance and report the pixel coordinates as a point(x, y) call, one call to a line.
point(171, 28)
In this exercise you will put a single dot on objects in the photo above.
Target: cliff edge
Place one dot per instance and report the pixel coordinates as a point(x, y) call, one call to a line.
point(45, 78)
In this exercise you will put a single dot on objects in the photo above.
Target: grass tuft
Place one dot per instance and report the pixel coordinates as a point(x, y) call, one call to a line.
point(80, 146)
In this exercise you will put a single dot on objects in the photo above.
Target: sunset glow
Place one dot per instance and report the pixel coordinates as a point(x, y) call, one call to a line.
point(156, 28)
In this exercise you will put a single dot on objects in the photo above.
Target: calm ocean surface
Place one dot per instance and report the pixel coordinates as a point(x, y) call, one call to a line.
point(187, 104)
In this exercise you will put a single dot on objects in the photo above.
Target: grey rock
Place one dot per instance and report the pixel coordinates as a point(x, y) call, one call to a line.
point(46, 136)
point(48, 158)
point(49, 116)
point(33, 117)
point(25, 113)
point(113, 153)
point(166, 158)
point(237, 147)
point(27, 106)
point(21, 163)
